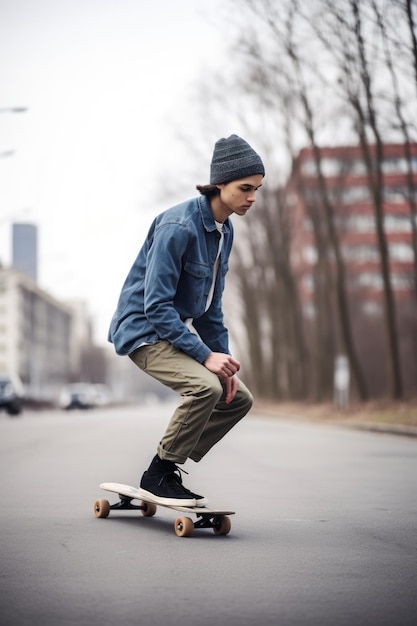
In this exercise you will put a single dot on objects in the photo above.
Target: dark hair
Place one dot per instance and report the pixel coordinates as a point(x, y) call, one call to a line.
point(210, 191)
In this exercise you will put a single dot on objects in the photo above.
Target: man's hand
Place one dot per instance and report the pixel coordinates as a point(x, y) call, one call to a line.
point(231, 385)
point(225, 367)
point(222, 364)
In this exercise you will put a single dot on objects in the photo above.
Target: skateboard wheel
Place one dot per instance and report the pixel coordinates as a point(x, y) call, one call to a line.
point(221, 525)
point(184, 526)
point(101, 508)
point(149, 509)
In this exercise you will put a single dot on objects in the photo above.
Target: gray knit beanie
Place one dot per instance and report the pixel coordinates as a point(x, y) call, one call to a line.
point(233, 158)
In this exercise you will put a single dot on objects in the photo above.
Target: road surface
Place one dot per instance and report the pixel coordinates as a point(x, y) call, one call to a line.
point(325, 532)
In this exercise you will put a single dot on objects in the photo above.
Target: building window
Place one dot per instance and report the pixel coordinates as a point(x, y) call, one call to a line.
point(360, 254)
point(309, 310)
point(308, 225)
point(369, 280)
point(373, 309)
point(310, 254)
point(401, 252)
point(397, 223)
point(359, 223)
point(331, 166)
point(402, 282)
point(398, 165)
point(396, 194)
point(351, 195)
point(308, 282)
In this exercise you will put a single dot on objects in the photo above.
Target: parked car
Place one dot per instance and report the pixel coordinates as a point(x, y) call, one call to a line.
point(11, 394)
point(102, 395)
point(77, 396)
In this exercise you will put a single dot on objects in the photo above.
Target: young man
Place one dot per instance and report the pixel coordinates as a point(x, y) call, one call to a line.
point(169, 318)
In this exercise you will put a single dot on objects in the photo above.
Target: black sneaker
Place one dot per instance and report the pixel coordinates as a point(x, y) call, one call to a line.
point(166, 489)
point(199, 500)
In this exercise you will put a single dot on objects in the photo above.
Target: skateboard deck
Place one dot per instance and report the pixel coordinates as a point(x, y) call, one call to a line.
point(217, 519)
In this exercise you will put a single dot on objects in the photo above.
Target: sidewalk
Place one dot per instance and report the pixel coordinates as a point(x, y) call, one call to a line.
point(399, 418)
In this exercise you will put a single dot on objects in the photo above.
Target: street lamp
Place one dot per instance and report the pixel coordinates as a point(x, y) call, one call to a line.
point(8, 153)
point(13, 109)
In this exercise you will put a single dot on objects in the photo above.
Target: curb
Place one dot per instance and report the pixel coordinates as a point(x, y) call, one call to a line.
point(377, 427)
point(388, 429)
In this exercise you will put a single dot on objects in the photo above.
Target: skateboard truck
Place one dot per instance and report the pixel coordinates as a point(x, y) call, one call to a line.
point(125, 504)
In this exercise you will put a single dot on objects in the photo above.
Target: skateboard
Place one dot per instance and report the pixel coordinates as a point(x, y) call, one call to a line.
point(184, 526)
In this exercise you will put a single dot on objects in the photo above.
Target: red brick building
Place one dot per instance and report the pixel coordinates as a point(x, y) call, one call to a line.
point(347, 207)
point(350, 196)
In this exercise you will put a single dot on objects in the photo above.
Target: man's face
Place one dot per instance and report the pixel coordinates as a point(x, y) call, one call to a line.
point(239, 195)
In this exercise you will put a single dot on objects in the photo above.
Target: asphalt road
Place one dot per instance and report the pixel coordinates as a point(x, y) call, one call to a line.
point(325, 531)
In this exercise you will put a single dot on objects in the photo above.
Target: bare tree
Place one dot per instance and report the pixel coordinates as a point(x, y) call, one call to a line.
point(290, 69)
point(307, 72)
point(356, 80)
point(269, 301)
point(369, 118)
point(407, 6)
point(401, 120)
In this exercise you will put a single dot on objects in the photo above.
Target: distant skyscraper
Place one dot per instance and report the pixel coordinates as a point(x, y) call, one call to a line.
point(25, 249)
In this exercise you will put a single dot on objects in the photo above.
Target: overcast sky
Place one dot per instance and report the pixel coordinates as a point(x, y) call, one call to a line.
point(107, 85)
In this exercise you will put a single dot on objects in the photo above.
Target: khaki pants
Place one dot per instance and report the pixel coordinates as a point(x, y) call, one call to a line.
point(203, 417)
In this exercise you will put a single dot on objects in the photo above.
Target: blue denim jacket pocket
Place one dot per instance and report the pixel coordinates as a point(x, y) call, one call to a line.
point(194, 286)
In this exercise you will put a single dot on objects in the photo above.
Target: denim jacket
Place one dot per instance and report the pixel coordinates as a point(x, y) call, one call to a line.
point(169, 283)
